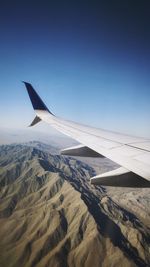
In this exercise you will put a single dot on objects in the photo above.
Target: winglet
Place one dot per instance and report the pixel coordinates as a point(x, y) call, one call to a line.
point(36, 101)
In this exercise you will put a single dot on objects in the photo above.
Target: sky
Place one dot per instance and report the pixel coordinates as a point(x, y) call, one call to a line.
point(88, 60)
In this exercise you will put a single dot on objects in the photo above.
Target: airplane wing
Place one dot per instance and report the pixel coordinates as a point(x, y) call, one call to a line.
point(131, 153)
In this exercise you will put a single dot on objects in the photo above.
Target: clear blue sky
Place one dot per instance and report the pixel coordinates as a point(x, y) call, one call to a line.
point(88, 60)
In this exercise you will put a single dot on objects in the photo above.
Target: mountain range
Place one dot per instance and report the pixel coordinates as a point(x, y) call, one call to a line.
point(50, 214)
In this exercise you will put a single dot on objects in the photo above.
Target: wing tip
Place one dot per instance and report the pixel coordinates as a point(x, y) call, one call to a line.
point(35, 121)
point(26, 83)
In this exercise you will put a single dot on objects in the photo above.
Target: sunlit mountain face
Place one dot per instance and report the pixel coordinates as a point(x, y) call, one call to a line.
point(50, 214)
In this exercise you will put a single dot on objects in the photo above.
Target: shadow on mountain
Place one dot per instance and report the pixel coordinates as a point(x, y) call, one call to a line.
point(51, 215)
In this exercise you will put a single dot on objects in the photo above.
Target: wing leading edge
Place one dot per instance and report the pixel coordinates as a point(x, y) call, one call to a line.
point(130, 152)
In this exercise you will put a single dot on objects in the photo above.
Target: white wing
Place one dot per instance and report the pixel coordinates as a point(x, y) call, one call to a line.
point(130, 152)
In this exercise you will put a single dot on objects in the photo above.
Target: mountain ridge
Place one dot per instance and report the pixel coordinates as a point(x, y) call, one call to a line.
point(52, 216)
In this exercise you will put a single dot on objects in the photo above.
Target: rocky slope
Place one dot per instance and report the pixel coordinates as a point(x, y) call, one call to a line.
point(50, 215)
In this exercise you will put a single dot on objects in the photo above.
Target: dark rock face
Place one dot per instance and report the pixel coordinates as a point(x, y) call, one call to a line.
point(50, 215)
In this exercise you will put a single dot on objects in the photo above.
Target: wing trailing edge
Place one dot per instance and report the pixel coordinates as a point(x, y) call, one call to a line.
point(81, 151)
point(120, 177)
